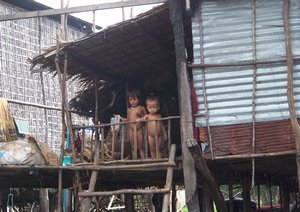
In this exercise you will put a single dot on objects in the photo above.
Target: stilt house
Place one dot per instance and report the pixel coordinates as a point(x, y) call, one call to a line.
point(236, 62)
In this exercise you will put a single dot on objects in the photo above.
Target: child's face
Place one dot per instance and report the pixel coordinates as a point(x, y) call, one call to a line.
point(152, 107)
point(133, 101)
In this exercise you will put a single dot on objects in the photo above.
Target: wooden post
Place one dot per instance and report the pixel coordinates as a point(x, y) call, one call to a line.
point(286, 197)
point(129, 203)
point(230, 191)
point(82, 145)
point(189, 171)
point(87, 201)
point(210, 181)
point(270, 194)
point(59, 196)
point(173, 198)
point(246, 195)
point(44, 199)
point(102, 143)
point(258, 197)
point(206, 199)
point(169, 180)
point(146, 141)
point(169, 136)
point(290, 86)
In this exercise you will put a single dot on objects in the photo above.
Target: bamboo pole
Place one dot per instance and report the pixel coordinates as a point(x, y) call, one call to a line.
point(241, 63)
point(122, 141)
point(258, 197)
point(254, 88)
point(230, 191)
point(134, 142)
point(82, 146)
point(257, 155)
point(169, 180)
point(59, 194)
point(169, 136)
point(173, 198)
point(124, 161)
point(146, 142)
point(102, 143)
point(124, 191)
point(156, 140)
point(90, 167)
point(113, 142)
point(87, 201)
point(290, 86)
point(126, 122)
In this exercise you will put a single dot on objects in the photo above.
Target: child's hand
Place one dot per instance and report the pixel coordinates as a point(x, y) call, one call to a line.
point(139, 112)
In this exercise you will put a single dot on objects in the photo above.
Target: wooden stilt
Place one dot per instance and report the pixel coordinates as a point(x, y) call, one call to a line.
point(129, 203)
point(173, 198)
point(285, 197)
point(246, 195)
point(169, 180)
point(175, 12)
point(87, 201)
point(230, 191)
point(59, 194)
point(44, 199)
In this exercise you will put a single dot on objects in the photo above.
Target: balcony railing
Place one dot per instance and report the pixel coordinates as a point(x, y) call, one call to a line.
point(113, 138)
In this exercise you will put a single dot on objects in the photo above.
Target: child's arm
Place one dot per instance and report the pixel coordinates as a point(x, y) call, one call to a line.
point(145, 117)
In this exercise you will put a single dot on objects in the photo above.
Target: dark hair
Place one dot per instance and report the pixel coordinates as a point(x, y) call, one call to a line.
point(134, 93)
point(153, 98)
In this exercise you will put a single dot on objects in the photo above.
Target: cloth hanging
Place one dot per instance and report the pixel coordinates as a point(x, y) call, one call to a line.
point(7, 127)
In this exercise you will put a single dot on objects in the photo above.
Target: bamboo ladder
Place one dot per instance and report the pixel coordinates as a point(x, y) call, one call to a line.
point(166, 190)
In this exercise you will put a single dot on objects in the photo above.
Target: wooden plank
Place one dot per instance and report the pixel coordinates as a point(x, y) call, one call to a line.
point(123, 191)
point(103, 6)
point(91, 167)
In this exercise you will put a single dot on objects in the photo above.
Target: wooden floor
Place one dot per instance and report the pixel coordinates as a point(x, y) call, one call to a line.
point(142, 175)
point(110, 176)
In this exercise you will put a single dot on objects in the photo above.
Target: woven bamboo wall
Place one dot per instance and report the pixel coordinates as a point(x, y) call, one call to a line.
point(22, 39)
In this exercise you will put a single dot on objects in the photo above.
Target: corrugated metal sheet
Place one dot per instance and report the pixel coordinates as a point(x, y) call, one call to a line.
point(227, 37)
point(272, 136)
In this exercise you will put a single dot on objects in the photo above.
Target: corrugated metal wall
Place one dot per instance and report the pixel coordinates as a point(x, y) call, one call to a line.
point(227, 36)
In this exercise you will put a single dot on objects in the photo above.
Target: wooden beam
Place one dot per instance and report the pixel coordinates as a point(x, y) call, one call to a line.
point(290, 84)
point(123, 191)
point(103, 6)
point(186, 121)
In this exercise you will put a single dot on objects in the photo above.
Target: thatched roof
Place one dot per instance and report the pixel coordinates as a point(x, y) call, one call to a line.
point(139, 51)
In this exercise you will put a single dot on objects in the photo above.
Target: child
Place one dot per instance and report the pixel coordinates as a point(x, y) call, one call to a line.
point(152, 104)
point(134, 112)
